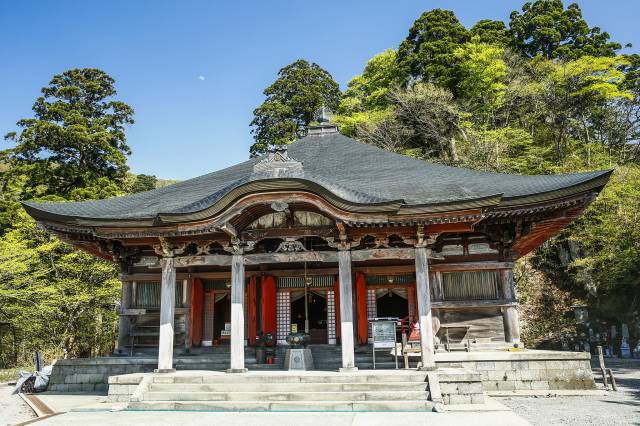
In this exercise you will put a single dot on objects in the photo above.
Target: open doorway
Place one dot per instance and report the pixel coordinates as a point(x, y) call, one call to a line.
point(392, 303)
point(317, 311)
point(221, 316)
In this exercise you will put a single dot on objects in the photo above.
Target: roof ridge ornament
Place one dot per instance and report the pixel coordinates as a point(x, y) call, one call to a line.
point(277, 164)
point(324, 126)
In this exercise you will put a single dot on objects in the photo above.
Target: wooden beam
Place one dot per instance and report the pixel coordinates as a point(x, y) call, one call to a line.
point(302, 256)
point(495, 303)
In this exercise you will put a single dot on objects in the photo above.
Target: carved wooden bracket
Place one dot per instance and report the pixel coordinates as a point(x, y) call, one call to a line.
point(290, 245)
point(167, 249)
point(238, 246)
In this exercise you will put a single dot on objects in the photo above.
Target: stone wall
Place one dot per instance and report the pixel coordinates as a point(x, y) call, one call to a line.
point(92, 374)
point(525, 370)
point(460, 386)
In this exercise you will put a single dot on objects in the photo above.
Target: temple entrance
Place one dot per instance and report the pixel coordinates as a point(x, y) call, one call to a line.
point(221, 317)
point(392, 302)
point(316, 310)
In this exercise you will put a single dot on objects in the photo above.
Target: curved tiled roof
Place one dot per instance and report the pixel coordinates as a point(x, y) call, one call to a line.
point(352, 172)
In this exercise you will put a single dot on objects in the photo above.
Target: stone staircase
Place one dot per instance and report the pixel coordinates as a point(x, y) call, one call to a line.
point(329, 358)
point(286, 391)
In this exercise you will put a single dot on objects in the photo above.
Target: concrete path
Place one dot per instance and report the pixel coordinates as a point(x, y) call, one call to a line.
point(127, 418)
point(12, 408)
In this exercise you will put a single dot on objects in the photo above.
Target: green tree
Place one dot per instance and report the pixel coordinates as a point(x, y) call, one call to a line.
point(300, 90)
point(369, 90)
point(57, 298)
point(143, 183)
point(546, 28)
point(491, 32)
point(76, 137)
point(427, 54)
point(481, 74)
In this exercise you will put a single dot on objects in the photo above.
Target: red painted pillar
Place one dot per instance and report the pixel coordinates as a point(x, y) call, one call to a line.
point(269, 320)
point(412, 302)
point(195, 319)
point(251, 311)
point(361, 308)
point(336, 295)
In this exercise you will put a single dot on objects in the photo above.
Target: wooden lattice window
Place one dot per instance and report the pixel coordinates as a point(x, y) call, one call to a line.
point(471, 285)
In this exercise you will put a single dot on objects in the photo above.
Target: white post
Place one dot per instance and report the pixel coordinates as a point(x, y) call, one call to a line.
point(123, 330)
point(424, 309)
point(237, 315)
point(167, 313)
point(346, 311)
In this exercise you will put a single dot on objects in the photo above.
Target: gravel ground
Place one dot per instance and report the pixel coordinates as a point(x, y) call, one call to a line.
point(12, 408)
point(616, 408)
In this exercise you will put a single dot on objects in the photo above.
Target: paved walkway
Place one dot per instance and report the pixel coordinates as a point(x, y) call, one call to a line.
point(610, 409)
point(127, 418)
point(12, 408)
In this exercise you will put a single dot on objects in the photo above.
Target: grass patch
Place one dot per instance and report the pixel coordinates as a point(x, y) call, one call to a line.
point(10, 374)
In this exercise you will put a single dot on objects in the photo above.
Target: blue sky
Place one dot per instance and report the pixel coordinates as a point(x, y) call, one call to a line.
point(195, 70)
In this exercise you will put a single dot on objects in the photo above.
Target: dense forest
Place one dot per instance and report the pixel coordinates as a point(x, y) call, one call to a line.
point(542, 93)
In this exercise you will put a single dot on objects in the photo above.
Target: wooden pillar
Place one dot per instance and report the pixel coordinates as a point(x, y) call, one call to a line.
point(346, 311)
point(361, 309)
point(269, 304)
point(424, 309)
point(197, 303)
point(510, 316)
point(167, 313)
point(237, 314)
point(123, 330)
point(186, 301)
point(252, 318)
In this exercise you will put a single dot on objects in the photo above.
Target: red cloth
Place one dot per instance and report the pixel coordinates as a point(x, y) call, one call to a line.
point(252, 316)
point(197, 303)
point(361, 308)
point(269, 323)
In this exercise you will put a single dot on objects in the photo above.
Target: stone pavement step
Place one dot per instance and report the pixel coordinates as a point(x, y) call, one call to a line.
point(233, 395)
point(395, 376)
point(423, 406)
point(291, 387)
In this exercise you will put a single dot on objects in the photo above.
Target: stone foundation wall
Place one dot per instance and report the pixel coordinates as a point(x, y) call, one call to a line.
point(526, 370)
point(92, 374)
point(122, 387)
point(459, 386)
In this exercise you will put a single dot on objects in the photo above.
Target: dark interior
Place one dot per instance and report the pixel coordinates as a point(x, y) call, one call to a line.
point(317, 316)
point(392, 305)
point(221, 314)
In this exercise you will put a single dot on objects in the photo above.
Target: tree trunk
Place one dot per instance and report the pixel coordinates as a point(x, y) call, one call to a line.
point(453, 153)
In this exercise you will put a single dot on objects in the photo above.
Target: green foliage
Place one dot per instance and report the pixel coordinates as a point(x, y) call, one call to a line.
point(143, 183)
point(76, 137)
point(300, 90)
point(53, 297)
point(546, 28)
point(369, 90)
point(547, 95)
point(491, 32)
point(599, 254)
point(427, 53)
point(58, 298)
point(481, 75)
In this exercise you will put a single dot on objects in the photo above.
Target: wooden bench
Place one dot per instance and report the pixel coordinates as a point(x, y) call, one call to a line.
point(454, 337)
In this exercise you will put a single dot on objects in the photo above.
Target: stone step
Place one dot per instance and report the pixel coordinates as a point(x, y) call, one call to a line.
point(309, 377)
point(281, 405)
point(288, 396)
point(289, 387)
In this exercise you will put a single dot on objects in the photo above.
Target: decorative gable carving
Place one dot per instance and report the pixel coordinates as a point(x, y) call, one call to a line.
point(277, 164)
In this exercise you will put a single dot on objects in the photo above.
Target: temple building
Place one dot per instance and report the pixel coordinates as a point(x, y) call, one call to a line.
point(321, 236)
